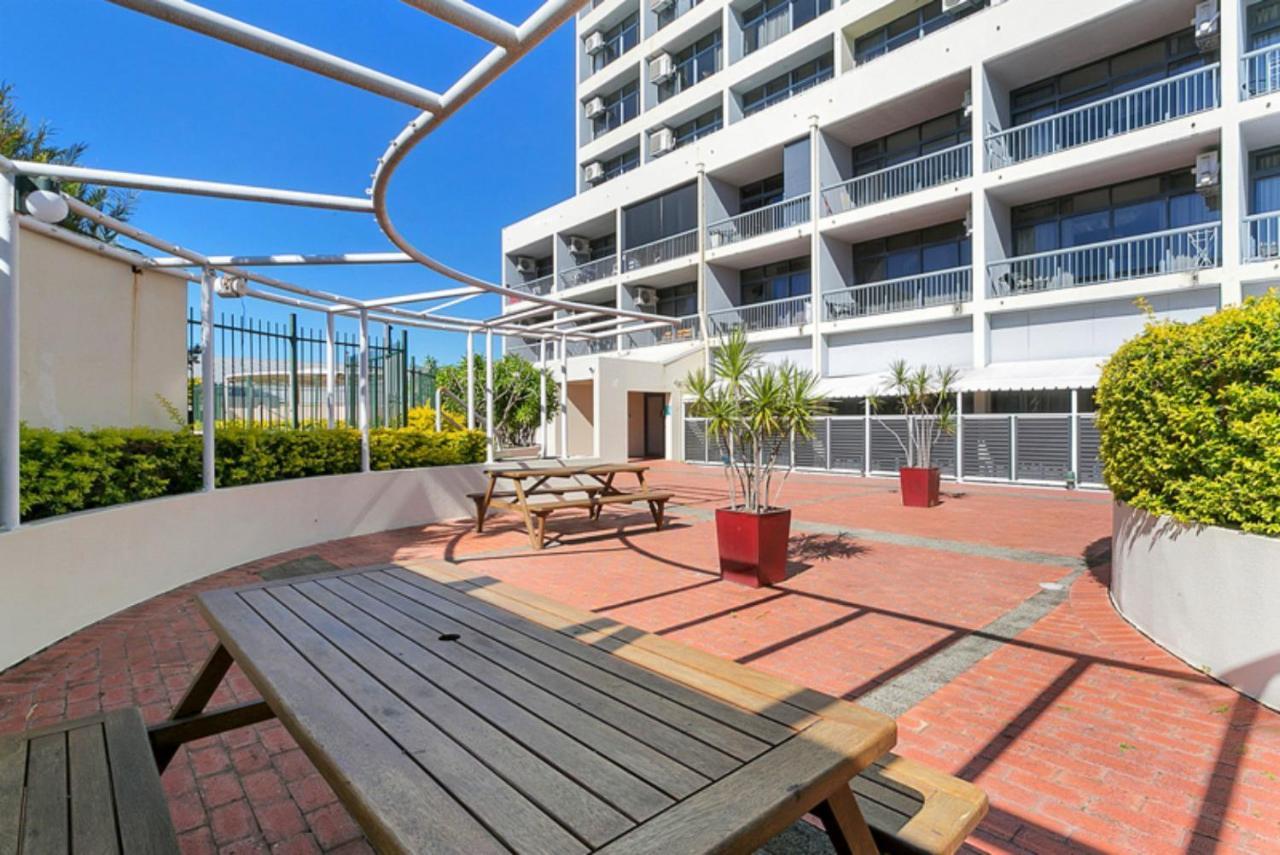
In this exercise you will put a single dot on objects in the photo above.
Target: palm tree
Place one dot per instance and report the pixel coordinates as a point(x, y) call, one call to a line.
point(753, 409)
point(926, 396)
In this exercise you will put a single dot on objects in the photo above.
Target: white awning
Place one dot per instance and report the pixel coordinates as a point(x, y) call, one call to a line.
point(854, 386)
point(1044, 374)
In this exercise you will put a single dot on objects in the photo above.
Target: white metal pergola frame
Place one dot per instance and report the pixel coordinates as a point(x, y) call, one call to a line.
point(235, 273)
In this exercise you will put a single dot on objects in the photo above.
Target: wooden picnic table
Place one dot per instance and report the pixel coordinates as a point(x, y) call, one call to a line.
point(446, 723)
point(533, 481)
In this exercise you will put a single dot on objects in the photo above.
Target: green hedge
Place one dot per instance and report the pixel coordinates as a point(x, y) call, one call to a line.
point(1190, 419)
point(73, 470)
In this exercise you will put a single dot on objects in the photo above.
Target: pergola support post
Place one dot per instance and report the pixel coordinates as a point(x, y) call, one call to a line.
point(564, 398)
point(471, 380)
point(488, 394)
point(542, 397)
point(330, 370)
point(207, 415)
point(363, 390)
point(9, 355)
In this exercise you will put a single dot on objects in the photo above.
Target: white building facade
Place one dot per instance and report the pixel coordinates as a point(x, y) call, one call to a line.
point(1005, 186)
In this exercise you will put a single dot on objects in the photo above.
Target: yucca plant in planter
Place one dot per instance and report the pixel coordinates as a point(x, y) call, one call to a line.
point(754, 410)
point(927, 399)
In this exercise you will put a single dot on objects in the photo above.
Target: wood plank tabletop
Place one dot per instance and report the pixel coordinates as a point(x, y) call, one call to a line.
point(564, 471)
point(448, 724)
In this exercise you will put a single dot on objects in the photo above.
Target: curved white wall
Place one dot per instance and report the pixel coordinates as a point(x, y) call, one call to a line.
point(1211, 596)
point(62, 574)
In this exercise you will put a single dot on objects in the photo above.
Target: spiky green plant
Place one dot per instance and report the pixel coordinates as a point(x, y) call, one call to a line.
point(754, 410)
point(927, 399)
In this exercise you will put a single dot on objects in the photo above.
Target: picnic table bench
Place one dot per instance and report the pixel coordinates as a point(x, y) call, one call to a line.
point(598, 491)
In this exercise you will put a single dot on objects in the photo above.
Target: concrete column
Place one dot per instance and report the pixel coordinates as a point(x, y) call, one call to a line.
point(9, 355)
point(1233, 155)
point(815, 249)
point(984, 235)
point(363, 391)
point(207, 380)
point(488, 395)
point(702, 266)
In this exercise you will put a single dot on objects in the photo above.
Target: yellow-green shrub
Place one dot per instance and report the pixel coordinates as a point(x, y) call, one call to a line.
point(73, 470)
point(1190, 419)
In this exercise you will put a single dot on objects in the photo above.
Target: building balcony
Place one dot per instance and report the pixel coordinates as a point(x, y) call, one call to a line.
point(766, 30)
point(1261, 72)
point(592, 271)
point(1176, 251)
point(939, 288)
point(538, 287)
point(586, 347)
point(775, 314)
point(932, 170)
point(688, 329)
point(1154, 104)
point(761, 221)
point(1262, 237)
point(658, 251)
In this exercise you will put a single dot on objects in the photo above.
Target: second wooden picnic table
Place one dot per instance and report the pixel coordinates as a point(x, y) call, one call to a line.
point(534, 481)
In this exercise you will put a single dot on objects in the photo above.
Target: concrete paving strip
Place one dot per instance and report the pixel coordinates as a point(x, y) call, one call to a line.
point(1028, 556)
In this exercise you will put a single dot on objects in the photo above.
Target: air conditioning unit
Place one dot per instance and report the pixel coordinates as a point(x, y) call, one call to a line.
point(657, 6)
point(950, 7)
point(594, 107)
point(646, 298)
point(593, 172)
point(579, 245)
point(661, 68)
point(966, 103)
point(594, 43)
point(525, 265)
point(661, 141)
point(1208, 174)
point(229, 286)
point(1205, 25)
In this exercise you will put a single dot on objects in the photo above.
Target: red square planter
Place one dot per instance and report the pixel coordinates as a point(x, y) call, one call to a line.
point(753, 547)
point(919, 487)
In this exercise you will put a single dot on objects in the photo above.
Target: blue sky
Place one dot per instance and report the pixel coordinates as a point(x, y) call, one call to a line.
point(151, 97)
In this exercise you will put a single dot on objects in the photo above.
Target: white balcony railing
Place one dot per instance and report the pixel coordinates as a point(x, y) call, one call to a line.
point(775, 314)
point(592, 271)
point(1262, 237)
point(538, 287)
point(1175, 251)
point(1162, 101)
point(585, 347)
point(942, 287)
point(664, 249)
point(761, 221)
point(1261, 72)
point(687, 329)
point(931, 170)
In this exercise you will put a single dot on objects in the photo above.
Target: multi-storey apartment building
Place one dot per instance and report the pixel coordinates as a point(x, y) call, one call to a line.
point(1005, 186)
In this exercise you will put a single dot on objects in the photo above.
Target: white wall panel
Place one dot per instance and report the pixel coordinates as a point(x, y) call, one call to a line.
point(944, 343)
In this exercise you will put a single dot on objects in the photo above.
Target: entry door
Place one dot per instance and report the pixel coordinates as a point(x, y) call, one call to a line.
point(655, 433)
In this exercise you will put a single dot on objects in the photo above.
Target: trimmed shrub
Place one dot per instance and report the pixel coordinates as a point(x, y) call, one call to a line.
point(74, 470)
point(1189, 416)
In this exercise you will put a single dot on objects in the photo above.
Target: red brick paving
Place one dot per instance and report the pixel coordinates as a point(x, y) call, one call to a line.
point(1086, 736)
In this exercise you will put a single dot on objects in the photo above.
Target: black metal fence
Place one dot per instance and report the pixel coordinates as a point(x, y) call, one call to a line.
point(273, 374)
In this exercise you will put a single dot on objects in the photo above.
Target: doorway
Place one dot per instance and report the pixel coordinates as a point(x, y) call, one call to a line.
point(655, 424)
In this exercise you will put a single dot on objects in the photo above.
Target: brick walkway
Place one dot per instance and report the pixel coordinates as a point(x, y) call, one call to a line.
point(1086, 736)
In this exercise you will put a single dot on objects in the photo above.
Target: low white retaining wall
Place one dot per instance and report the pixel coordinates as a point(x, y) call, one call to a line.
point(1210, 596)
point(62, 574)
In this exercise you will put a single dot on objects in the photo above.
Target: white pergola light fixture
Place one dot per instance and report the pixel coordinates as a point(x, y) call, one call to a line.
point(47, 207)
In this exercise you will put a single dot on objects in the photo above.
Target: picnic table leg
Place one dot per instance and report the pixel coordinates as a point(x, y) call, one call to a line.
point(656, 508)
point(534, 540)
point(482, 505)
point(189, 720)
point(844, 824)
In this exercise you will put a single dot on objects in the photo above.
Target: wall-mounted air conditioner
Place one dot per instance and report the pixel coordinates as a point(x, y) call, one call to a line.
point(646, 299)
point(579, 245)
point(953, 6)
point(661, 141)
point(1205, 25)
point(661, 68)
point(661, 5)
point(1208, 174)
point(593, 172)
point(594, 107)
point(594, 43)
point(525, 265)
